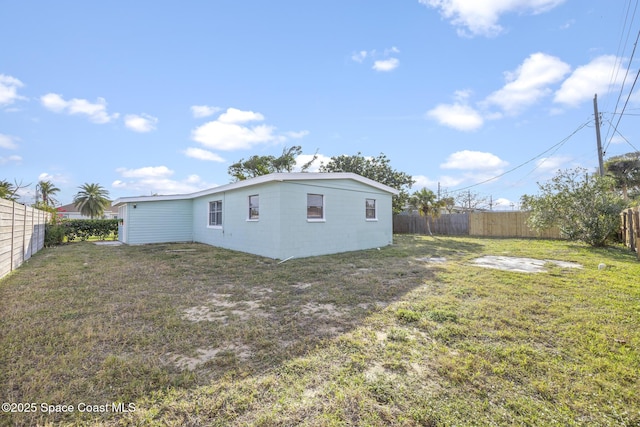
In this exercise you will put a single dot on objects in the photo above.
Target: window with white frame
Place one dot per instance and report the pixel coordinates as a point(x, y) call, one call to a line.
point(254, 207)
point(315, 206)
point(370, 208)
point(215, 213)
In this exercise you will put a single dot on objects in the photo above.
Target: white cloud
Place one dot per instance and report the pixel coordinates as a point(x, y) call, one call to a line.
point(383, 62)
point(233, 115)
point(155, 180)
point(446, 181)
point(552, 164)
point(9, 89)
point(529, 83)
point(145, 172)
point(587, 80)
point(140, 123)
point(297, 135)
point(504, 204)
point(481, 17)
point(386, 64)
point(302, 159)
point(199, 153)
point(227, 137)
point(8, 142)
point(10, 159)
point(96, 112)
point(200, 111)
point(359, 56)
point(231, 131)
point(457, 116)
point(474, 160)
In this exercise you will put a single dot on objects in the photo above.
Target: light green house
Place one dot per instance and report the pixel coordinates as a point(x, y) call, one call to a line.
point(280, 215)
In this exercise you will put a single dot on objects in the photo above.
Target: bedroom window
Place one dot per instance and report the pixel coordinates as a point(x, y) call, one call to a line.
point(215, 213)
point(370, 209)
point(254, 207)
point(315, 207)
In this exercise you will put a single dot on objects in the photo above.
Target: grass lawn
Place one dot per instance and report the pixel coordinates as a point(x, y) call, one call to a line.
point(191, 335)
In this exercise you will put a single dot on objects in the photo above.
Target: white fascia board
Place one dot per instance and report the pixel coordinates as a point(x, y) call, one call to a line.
point(273, 177)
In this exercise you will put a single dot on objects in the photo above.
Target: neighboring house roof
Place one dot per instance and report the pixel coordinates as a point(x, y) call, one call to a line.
point(72, 208)
point(273, 177)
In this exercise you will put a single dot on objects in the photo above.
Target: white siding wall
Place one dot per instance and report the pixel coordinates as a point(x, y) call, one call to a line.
point(261, 237)
point(282, 229)
point(345, 227)
point(159, 222)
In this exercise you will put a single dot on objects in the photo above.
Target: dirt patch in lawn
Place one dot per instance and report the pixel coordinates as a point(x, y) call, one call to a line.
point(220, 308)
point(241, 351)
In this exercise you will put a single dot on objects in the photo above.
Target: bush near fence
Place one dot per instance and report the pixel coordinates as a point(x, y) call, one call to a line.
point(85, 228)
point(22, 230)
point(482, 224)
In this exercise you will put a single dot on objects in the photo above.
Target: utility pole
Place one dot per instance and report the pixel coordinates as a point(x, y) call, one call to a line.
point(597, 115)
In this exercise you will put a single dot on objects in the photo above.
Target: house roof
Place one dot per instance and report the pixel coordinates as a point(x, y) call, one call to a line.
point(72, 208)
point(273, 177)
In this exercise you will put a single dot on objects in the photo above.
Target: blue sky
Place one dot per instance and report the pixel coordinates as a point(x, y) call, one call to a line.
point(161, 97)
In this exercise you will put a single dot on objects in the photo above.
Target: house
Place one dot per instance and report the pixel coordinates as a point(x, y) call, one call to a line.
point(279, 215)
point(70, 211)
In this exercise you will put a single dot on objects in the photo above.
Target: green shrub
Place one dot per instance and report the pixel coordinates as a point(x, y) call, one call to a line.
point(84, 228)
point(53, 235)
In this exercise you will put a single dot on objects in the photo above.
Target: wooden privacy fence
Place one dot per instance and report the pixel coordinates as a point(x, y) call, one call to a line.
point(449, 224)
point(487, 224)
point(630, 228)
point(21, 234)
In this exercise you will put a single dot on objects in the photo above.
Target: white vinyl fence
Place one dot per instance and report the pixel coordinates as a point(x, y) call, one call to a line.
point(21, 234)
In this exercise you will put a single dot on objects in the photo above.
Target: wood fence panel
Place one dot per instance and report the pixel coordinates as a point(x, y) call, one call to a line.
point(21, 234)
point(484, 224)
point(630, 228)
point(448, 224)
point(506, 224)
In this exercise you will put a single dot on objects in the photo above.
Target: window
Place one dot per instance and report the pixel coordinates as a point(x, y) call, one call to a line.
point(215, 213)
point(370, 208)
point(315, 206)
point(254, 207)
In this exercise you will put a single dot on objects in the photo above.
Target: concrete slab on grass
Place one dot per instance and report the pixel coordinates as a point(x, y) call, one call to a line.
point(520, 265)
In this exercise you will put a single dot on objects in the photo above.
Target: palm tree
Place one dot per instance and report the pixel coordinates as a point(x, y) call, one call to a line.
point(7, 190)
point(625, 170)
point(427, 205)
point(91, 200)
point(47, 190)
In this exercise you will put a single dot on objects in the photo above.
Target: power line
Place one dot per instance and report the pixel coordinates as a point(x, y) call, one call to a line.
point(555, 146)
point(622, 136)
point(619, 57)
point(615, 129)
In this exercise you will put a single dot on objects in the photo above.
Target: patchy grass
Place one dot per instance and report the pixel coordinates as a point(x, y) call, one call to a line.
point(196, 335)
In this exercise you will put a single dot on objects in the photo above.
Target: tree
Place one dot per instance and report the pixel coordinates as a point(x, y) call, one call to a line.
point(625, 170)
point(471, 200)
point(263, 165)
point(377, 169)
point(9, 191)
point(583, 206)
point(91, 200)
point(427, 205)
point(47, 190)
